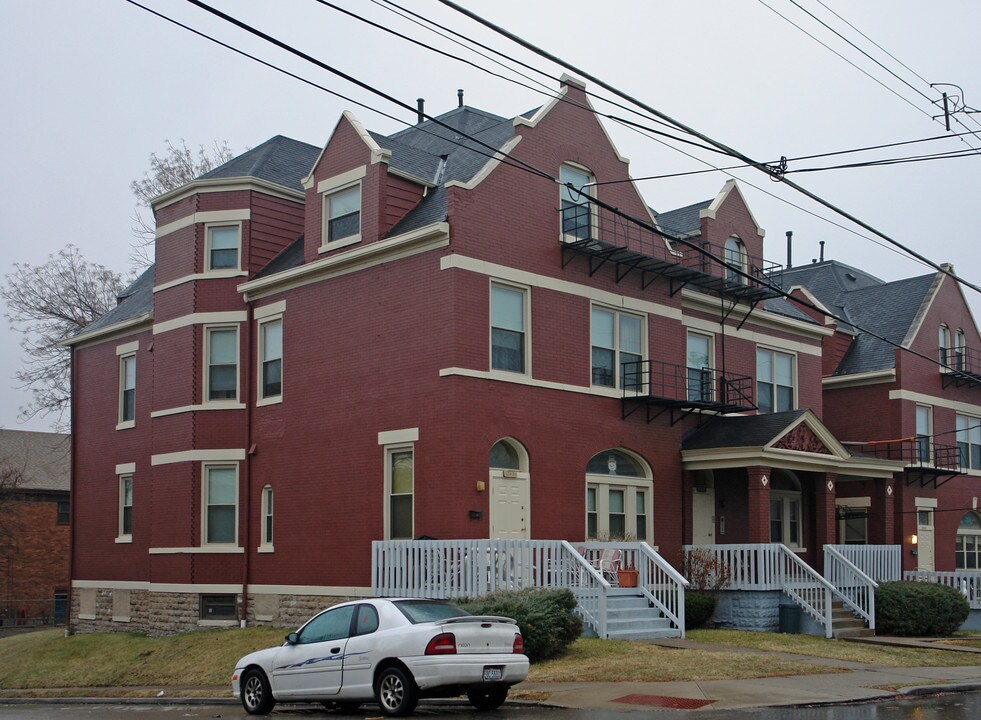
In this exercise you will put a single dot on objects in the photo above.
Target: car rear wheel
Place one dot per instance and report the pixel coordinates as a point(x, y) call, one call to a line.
point(396, 692)
point(487, 698)
point(257, 697)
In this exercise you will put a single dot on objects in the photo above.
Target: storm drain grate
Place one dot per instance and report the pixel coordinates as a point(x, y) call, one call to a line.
point(678, 703)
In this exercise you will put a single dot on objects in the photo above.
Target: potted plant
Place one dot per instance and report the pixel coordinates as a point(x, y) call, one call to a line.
point(627, 576)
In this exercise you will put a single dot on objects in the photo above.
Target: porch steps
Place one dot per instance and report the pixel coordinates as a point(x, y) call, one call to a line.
point(844, 624)
point(630, 617)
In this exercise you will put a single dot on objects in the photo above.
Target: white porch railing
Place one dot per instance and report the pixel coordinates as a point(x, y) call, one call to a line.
point(882, 563)
point(856, 589)
point(472, 568)
point(663, 586)
point(968, 582)
point(773, 566)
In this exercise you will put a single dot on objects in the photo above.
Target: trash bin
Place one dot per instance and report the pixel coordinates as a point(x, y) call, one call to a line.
point(789, 619)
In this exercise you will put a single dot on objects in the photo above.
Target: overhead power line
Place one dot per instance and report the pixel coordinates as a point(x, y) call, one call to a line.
point(735, 153)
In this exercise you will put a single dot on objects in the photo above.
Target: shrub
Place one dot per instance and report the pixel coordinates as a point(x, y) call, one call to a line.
point(919, 609)
point(699, 607)
point(545, 617)
point(704, 571)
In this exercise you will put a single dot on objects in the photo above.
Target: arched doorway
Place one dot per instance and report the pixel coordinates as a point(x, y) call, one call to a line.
point(967, 547)
point(510, 497)
point(619, 497)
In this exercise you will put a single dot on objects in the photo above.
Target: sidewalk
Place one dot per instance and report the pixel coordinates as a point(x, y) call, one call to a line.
point(845, 682)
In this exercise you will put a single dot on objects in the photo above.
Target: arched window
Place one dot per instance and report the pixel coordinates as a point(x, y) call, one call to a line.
point(967, 546)
point(619, 497)
point(735, 256)
point(785, 509)
point(267, 517)
point(574, 191)
point(503, 456)
point(944, 341)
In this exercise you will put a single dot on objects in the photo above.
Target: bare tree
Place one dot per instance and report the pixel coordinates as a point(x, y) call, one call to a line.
point(178, 166)
point(11, 479)
point(48, 303)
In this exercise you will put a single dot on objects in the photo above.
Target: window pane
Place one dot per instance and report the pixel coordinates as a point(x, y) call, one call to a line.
point(784, 369)
point(603, 367)
point(764, 365)
point(507, 308)
point(502, 455)
point(401, 472)
point(591, 499)
point(129, 405)
point(344, 226)
point(223, 346)
point(507, 350)
point(785, 399)
point(272, 340)
point(345, 202)
point(127, 491)
point(630, 334)
point(221, 524)
point(698, 351)
point(764, 397)
point(221, 486)
point(616, 501)
point(614, 462)
point(221, 382)
point(401, 516)
point(602, 328)
point(272, 378)
point(224, 238)
point(578, 179)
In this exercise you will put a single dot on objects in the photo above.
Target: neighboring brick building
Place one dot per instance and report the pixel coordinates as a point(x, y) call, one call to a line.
point(34, 522)
point(404, 336)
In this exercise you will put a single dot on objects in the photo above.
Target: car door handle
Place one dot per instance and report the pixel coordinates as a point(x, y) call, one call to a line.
point(334, 651)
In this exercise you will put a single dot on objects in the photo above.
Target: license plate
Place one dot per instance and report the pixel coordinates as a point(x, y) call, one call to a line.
point(493, 673)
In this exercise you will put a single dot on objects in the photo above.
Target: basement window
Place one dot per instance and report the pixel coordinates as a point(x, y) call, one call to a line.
point(219, 607)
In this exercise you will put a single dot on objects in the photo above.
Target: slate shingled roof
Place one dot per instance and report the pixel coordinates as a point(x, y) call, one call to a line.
point(864, 301)
point(43, 459)
point(135, 301)
point(740, 431)
point(683, 221)
point(280, 160)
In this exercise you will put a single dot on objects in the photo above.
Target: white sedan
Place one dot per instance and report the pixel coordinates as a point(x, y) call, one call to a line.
point(390, 651)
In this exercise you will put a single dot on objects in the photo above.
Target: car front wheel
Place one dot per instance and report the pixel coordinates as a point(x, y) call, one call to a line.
point(257, 697)
point(396, 692)
point(487, 698)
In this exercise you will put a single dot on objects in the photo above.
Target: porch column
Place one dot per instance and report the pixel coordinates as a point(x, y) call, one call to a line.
point(758, 510)
point(882, 513)
point(824, 515)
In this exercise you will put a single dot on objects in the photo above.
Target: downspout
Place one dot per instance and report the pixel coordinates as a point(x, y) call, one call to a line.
point(71, 496)
point(247, 467)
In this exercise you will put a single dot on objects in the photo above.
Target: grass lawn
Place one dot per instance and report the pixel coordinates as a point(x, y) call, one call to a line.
point(200, 663)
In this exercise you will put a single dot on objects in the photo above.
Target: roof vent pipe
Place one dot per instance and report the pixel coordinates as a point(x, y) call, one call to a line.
point(459, 97)
point(790, 249)
point(421, 113)
point(822, 250)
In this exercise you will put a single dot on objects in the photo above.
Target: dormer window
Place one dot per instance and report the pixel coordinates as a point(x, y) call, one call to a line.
point(735, 258)
point(342, 214)
point(574, 195)
point(223, 244)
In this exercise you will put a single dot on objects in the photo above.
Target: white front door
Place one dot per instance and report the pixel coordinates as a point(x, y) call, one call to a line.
point(924, 533)
point(510, 506)
point(703, 516)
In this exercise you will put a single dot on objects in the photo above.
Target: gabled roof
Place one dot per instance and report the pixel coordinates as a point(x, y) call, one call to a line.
point(740, 431)
point(683, 221)
point(280, 160)
point(888, 309)
point(133, 302)
point(42, 459)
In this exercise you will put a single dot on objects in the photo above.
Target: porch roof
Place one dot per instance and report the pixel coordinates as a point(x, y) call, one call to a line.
point(794, 440)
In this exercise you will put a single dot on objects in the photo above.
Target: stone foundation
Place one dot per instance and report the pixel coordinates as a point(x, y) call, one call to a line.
point(164, 613)
point(743, 610)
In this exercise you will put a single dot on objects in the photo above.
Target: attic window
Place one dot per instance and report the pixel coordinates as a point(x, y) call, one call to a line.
point(223, 244)
point(342, 214)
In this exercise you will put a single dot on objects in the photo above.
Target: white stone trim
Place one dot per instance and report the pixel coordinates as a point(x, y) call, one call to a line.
point(124, 539)
point(392, 437)
point(708, 326)
point(124, 327)
point(221, 185)
point(857, 379)
point(519, 379)
point(522, 277)
point(854, 502)
point(213, 405)
point(126, 425)
point(488, 167)
point(919, 502)
point(210, 275)
point(265, 549)
point(200, 550)
point(219, 455)
point(211, 216)
point(126, 468)
point(713, 208)
point(924, 399)
point(693, 300)
point(328, 185)
point(276, 308)
point(204, 318)
point(128, 348)
point(213, 589)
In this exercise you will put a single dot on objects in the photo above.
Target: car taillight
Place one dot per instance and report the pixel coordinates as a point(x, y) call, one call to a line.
point(443, 644)
point(519, 644)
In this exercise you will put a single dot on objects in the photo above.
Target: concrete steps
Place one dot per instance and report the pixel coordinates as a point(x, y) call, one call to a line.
point(630, 617)
point(844, 624)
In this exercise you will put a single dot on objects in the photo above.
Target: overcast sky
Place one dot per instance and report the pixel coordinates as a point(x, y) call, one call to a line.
point(90, 89)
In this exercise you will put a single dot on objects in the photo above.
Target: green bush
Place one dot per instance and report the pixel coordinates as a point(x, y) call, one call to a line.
point(545, 617)
point(699, 607)
point(923, 609)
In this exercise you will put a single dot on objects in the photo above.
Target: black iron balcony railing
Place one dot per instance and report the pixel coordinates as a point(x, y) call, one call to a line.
point(651, 382)
point(607, 238)
point(919, 454)
point(960, 365)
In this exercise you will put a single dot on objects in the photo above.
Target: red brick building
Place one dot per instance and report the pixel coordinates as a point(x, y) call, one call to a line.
point(413, 335)
point(34, 527)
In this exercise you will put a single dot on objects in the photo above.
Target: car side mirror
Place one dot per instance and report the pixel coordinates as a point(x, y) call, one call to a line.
point(292, 639)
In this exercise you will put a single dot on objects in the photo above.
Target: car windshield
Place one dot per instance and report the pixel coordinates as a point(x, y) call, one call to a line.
point(420, 611)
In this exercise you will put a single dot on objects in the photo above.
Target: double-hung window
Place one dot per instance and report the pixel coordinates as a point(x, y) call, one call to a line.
point(220, 504)
point(969, 441)
point(960, 351)
point(127, 389)
point(699, 371)
point(223, 243)
point(221, 348)
point(943, 339)
point(924, 421)
point(774, 381)
point(271, 359)
point(342, 214)
point(266, 540)
point(508, 323)
point(125, 507)
point(617, 348)
point(400, 482)
point(735, 260)
point(574, 195)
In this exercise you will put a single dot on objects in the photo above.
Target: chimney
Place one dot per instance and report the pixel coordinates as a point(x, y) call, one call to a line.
point(420, 115)
point(822, 250)
point(459, 97)
point(790, 249)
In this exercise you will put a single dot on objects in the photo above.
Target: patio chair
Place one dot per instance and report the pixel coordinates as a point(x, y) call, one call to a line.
point(608, 564)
